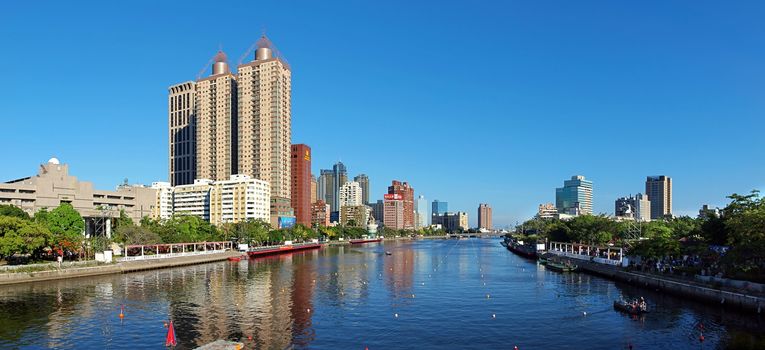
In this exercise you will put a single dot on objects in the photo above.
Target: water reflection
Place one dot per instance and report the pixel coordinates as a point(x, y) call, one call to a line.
point(348, 297)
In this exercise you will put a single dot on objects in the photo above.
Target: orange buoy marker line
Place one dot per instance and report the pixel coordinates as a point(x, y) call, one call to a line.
point(170, 338)
point(122, 311)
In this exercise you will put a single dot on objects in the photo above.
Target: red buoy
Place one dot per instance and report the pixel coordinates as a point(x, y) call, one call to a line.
point(170, 338)
point(701, 338)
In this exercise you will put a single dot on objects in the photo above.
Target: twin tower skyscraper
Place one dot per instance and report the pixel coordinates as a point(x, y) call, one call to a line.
point(228, 123)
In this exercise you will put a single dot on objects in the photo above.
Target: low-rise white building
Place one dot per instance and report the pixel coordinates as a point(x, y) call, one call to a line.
point(238, 199)
point(193, 199)
point(163, 207)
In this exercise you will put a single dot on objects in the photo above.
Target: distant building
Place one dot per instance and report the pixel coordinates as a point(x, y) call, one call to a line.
point(484, 216)
point(193, 199)
point(53, 186)
point(363, 181)
point(575, 197)
point(355, 215)
point(407, 196)
point(324, 189)
point(378, 210)
point(238, 199)
point(393, 211)
point(300, 161)
point(340, 177)
point(163, 207)
point(350, 194)
point(659, 191)
point(636, 208)
point(439, 207)
point(282, 214)
point(451, 222)
point(547, 211)
point(706, 212)
point(314, 189)
point(319, 213)
point(420, 213)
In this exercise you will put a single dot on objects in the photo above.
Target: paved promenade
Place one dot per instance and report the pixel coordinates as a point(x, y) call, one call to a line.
point(105, 269)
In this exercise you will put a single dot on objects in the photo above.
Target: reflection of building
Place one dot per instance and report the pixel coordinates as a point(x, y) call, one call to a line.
point(53, 185)
point(407, 196)
point(659, 191)
point(238, 199)
point(575, 197)
point(636, 208)
point(301, 183)
point(363, 181)
point(451, 222)
point(484, 216)
point(319, 213)
point(393, 211)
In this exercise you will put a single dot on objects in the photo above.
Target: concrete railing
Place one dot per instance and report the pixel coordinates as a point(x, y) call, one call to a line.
point(586, 258)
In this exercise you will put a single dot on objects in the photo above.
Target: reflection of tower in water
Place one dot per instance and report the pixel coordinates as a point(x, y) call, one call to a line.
point(399, 270)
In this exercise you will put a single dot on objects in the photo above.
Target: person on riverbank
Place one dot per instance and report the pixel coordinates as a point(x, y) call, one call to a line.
point(59, 257)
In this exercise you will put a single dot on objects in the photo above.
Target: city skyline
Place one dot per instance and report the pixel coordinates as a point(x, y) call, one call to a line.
point(125, 116)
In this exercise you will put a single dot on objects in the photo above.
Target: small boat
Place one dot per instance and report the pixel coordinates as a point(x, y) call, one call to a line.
point(543, 260)
point(626, 307)
point(388, 253)
point(234, 258)
point(560, 267)
point(503, 243)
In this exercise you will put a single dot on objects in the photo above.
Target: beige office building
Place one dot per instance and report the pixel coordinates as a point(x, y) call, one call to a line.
point(53, 185)
point(216, 113)
point(484, 216)
point(163, 207)
point(355, 215)
point(264, 119)
point(182, 133)
point(238, 199)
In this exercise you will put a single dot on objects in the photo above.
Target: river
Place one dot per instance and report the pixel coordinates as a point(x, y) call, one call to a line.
point(428, 294)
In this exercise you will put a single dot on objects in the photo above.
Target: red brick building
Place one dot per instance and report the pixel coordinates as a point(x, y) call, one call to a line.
point(300, 159)
point(407, 196)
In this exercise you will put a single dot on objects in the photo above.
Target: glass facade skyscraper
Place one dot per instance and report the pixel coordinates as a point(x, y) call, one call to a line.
point(439, 208)
point(575, 197)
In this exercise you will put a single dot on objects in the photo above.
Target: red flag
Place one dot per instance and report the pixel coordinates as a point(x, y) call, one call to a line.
point(170, 339)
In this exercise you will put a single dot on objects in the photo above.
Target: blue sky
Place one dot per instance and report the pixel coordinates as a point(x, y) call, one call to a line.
point(472, 101)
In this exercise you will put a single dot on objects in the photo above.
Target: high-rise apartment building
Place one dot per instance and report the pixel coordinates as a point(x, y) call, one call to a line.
point(393, 211)
point(420, 212)
point(407, 195)
point(340, 177)
point(350, 194)
point(216, 116)
point(439, 207)
point(659, 191)
point(575, 197)
point(484, 216)
point(325, 187)
point(300, 160)
point(636, 208)
point(240, 198)
point(314, 189)
point(182, 133)
point(264, 120)
point(363, 181)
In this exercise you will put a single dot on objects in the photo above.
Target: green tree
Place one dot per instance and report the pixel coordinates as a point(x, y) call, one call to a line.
point(134, 235)
point(14, 211)
point(745, 219)
point(66, 225)
point(18, 236)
